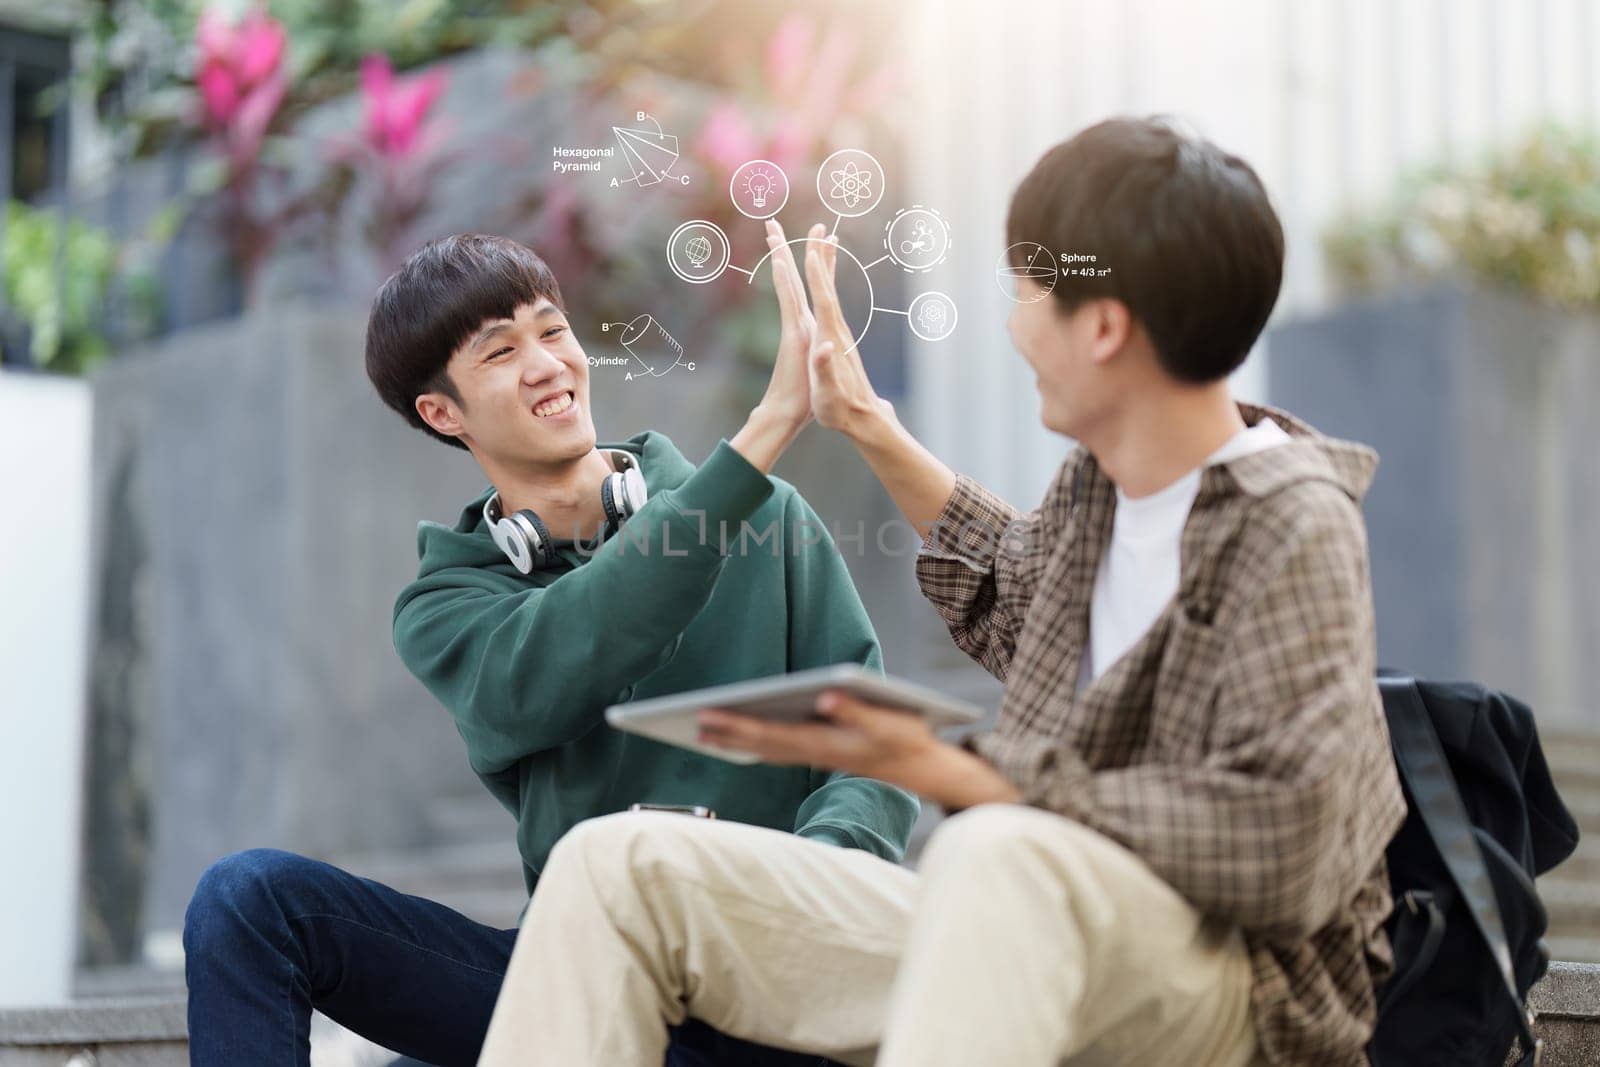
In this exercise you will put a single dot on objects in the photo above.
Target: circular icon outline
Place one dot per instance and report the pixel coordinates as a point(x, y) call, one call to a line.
point(1004, 269)
point(722, 266)
point(932, 294)
point(865, 274)
point(874, 201)
point(733, 180)
point(899, 217)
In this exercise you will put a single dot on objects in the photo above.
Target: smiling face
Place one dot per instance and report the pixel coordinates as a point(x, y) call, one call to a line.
point(1081, 358)
point(524, 391)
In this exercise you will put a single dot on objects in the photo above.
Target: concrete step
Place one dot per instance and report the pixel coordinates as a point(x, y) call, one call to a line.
point(144, 1031)
point(1584, 804)
point(499, 908)
point(1567, 1003)
point(481, 880)
point(1582, 866)
point(471, 817)
point(1576, 948)
point(151, 1032)
point(130, 982)
point(470, 863)
point(1573, 906)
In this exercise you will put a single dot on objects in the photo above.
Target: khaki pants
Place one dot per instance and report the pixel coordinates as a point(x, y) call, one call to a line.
point(1025, 939)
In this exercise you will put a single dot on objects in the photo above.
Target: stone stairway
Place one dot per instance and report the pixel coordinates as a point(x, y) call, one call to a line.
point(1571, 892)
point(472, 865)
point(134, 1017)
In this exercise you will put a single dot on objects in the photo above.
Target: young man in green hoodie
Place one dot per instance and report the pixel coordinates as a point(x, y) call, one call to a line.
point(586, 575)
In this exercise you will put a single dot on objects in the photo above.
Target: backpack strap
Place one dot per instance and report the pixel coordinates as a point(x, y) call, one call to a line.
point(1422, 764)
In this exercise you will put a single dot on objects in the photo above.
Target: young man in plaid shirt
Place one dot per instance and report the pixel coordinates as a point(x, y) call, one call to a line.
point(1170, 849)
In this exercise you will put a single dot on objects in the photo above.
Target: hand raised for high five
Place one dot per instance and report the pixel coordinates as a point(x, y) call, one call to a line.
point(842, 397)
point(789, 391)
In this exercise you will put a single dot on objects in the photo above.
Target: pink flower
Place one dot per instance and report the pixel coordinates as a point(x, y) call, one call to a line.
point(397, 108)
point(240, 65)
point(788, 50)
point(726, 139)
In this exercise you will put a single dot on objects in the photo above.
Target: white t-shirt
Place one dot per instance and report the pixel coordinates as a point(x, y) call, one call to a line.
point(1138, 574)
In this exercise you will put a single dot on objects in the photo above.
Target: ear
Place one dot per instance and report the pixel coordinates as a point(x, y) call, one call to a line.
point(1112, 328)
point(440, 413)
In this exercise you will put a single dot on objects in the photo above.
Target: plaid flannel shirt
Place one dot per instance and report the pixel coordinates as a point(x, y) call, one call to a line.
point(1239, 748)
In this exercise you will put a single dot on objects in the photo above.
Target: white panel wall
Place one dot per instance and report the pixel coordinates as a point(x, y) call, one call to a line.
point(44, 575)
point(1330, 100)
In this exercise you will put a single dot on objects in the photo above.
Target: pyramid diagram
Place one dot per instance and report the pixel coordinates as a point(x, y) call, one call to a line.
point(651, 154)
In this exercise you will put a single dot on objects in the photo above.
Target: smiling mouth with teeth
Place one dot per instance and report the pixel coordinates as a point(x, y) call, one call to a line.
point(556, 406)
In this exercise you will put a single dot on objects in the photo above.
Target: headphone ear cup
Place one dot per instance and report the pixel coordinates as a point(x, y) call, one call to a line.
point(536, 537)
point(510, 540)
point(524, 540)
point(610, 496)
point(634, 491)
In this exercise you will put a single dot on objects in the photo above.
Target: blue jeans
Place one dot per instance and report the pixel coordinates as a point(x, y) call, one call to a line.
point(271, 935)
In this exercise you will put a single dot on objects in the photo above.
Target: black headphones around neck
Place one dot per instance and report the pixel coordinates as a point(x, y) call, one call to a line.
point(526, 541)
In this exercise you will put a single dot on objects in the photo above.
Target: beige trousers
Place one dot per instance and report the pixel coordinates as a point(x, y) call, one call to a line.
point(1025, 939)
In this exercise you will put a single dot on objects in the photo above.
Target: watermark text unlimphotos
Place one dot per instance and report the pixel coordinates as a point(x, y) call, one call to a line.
point(669, 537)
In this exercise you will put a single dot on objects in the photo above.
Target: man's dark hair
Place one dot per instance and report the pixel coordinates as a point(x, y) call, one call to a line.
point(1194, 248)
point(441, 296)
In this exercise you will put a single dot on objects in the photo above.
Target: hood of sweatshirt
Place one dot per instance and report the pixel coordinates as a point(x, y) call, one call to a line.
point(469, 544)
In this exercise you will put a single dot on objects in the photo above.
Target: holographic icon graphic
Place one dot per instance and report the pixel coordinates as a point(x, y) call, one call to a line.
point(650, 153)
point(1026, 261)
point(932, 316)
point(654, 351)
point(698, 251)
point(917, 238)
point(850, 183)
point(759, 189)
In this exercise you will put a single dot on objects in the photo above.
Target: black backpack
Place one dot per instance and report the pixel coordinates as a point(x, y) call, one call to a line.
point(1483, 819)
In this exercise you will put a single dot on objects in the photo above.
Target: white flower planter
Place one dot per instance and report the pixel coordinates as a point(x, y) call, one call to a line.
point(44, 594)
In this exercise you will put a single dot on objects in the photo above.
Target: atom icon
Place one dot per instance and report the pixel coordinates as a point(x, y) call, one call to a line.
point(851, 184)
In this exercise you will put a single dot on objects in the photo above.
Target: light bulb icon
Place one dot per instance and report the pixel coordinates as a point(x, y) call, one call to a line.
point(759, 184)
point(759, 189)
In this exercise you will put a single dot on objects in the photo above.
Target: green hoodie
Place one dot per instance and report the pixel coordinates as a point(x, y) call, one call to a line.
point(527, 664)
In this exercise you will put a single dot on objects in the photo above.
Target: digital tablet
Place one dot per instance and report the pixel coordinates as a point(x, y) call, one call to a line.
point(782, 698)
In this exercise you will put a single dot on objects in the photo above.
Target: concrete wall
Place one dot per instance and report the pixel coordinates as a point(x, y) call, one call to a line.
point(256, 511)
point(1484, 518)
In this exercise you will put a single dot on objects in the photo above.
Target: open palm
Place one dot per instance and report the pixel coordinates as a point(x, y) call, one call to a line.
point(840, 389)
point(789, 391)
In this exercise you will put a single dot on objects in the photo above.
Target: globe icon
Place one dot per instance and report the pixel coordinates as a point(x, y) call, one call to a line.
point(698, 250)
